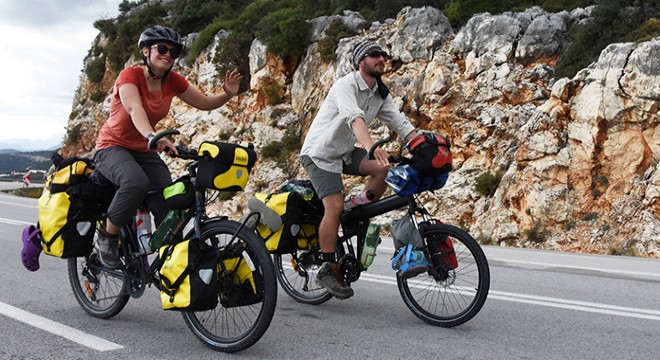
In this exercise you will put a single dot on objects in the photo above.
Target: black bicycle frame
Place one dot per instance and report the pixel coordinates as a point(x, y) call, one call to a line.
point(355, 221)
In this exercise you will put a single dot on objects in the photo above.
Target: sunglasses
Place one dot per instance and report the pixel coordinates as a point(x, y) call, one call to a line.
point(376, 53)
point(163, 49)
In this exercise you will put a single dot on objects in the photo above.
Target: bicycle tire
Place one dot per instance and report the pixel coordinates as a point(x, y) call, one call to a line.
point(236, 328)
point(296, 283)
point(100, 293)
point(458, 298)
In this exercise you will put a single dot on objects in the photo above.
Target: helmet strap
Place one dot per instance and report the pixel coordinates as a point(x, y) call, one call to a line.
point(150, 71)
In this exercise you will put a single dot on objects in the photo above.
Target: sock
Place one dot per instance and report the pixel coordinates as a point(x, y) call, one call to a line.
point(329, 257)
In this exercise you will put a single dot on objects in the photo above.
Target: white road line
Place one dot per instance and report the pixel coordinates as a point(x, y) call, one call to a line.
point(14, 222)
point(17, 204)
point(67, 332)
point(648, 314)
point(389, 251)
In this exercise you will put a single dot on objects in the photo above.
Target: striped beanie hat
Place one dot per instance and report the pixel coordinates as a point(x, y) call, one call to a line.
point(361, 51)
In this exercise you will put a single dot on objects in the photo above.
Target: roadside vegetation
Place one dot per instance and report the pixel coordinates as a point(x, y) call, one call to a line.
point(282, 25)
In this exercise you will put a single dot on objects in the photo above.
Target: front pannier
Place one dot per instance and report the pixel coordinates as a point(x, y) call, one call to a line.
point(188, 276)
point(225, 166)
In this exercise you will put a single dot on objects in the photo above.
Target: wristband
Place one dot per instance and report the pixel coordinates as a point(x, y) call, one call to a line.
point(149, 135)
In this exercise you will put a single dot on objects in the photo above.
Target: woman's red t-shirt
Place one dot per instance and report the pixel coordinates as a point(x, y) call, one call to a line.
point(119, 129)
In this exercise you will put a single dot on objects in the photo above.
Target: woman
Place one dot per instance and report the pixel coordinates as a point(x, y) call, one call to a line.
point(142, 97)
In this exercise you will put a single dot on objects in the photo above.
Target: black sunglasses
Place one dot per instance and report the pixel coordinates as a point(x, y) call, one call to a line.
point(163, 49)
point(376, 53)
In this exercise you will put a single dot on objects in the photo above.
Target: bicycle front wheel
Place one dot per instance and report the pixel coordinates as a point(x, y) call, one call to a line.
point(453, 290)
point(238, 326)
point(101, 293)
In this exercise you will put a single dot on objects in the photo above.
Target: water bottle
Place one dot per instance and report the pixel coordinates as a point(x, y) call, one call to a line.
point(362, 198)
point(371, 241)
point(171, 221)
point(143, 229)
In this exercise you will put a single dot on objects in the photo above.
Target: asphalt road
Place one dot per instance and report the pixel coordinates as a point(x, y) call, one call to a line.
point(542, 305)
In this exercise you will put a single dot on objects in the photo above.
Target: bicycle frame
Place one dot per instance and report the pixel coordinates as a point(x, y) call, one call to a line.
point(354, 222)
point(196, 212)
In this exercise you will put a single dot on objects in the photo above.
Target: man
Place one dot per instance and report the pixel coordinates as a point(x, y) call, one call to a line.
point(329, 148)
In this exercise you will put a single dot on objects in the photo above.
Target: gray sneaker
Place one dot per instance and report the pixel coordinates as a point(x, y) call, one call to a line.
point(109, 251)
point(332, 280)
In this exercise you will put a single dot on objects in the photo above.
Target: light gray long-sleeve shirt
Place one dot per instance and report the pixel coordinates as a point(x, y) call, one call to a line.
point(330, 139)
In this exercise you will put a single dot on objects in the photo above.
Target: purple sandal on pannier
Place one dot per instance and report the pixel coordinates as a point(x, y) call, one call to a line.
point(31, 248)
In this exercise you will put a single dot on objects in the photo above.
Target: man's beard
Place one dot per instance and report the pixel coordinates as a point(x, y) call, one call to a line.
point(373, 71)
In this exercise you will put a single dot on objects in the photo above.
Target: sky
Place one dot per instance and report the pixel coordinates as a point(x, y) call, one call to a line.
point(42, 47)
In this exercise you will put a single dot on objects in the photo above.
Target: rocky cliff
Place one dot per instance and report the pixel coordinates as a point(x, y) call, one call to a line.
point(578, 157)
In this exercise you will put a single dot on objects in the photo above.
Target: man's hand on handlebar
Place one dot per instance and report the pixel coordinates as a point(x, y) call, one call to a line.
point(382, 157)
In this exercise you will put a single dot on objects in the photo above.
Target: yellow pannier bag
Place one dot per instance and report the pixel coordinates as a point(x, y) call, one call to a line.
point(70, 171)
point(67, 225)
point(188, 276)
point(240, 284)
point(69, 208)
point(289, 207)
point(225, 166)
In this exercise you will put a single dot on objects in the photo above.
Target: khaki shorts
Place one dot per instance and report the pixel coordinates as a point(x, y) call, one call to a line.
point(327, 183)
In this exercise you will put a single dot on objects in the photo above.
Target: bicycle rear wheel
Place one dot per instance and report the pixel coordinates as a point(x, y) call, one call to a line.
point(296, 273)
point(443, 296)
point(101, 293)
point(232, 329)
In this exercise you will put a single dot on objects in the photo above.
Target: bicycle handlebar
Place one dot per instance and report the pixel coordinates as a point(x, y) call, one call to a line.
point(376, 145)
point(184, 152)
point(395, 159)
point(159, 135)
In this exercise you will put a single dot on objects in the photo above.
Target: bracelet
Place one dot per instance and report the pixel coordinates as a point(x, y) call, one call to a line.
point(149, 135)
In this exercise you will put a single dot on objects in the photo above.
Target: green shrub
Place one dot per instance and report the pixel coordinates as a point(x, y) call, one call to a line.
point(290, 142)
point(569, 225)
point(107, 27)
point(73, 134)
point(537, 234)
point(460, 11)
point(622, 250)
point(98, 96)
point(590, 216)
point(73, 114)
point(486, 184)
point(273, 93)
point(233, 53)
point(125, 31)
point(96, 70)
point(649, 30)
point(328, 44)
point(279, 151)
point(284, 32)
point(611, 21)
point(384, 9)
point(193, 15)
point(206, 37)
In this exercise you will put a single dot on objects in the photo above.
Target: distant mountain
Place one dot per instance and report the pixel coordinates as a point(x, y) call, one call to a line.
point(20, 145)
point(19, 161)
